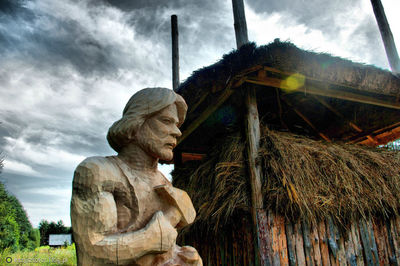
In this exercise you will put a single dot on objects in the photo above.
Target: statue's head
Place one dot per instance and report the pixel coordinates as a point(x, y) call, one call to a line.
point(151, 119)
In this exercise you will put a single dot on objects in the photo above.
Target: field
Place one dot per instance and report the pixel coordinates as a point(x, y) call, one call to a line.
point(40, 256)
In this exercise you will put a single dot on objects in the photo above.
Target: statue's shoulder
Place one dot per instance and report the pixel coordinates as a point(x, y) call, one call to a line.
point(96, 168)
point(96, 163)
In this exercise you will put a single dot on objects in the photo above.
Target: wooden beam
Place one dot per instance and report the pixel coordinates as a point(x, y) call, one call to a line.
point(231, 84)
point(259, 68)
point(354, 126)
point(337, 113)
point(361, 137)
point(252, 129)
point(280, 110)
point(253, 144)
point(387, 36)
point(175, 52)
point(252, 120)
point(274, 70)
point(383, 138)
point(192, 157)
point(206, 113)
point(322, 135)
point(239, 23)
point(343, 95)
point(197, 104)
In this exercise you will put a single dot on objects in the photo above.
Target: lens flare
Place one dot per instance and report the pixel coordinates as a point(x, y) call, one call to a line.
point(293, 82)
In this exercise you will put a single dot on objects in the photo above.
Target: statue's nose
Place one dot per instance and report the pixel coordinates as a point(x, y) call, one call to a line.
point(176, 132)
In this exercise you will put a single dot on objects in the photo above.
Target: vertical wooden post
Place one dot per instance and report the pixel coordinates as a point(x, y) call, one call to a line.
point(253, 143)
point(239, 23)
point(175, 52)
point(252, 146)
point(387, 36)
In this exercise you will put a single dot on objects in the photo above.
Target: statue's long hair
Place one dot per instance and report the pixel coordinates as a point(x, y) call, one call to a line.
point(140, 107)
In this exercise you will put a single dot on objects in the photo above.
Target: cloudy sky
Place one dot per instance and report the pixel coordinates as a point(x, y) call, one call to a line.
point(67, 68)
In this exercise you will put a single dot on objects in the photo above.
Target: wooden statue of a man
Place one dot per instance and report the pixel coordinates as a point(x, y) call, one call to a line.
point(123, 210)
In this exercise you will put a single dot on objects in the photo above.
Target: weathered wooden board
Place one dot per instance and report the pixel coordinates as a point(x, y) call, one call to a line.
point(301, 260)
point(274, 239)
point(265, 222)
point(351, 258)
point(365, 243)
point(393, 239)
point(332, 244)
point(396, 226)
point(315, 245)
point(309, 255)
point(368, 243)
point(382, 243)
point(373, 242)
point(358, 249)
point(282, 243)
point(323, 243)
point(291, 244)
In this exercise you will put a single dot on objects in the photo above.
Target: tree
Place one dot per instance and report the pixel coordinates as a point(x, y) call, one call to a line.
point(16, 231)
point(47, 228)
point(43, 229)
point(21, 218)
point(9, 228)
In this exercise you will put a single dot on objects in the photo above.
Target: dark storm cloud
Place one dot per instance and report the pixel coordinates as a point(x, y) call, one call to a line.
point(198, 20)
point(128, 5)
point(11, 7)
point(82, 138)
point(73, 45)
point(85, 143)
point(66, 41)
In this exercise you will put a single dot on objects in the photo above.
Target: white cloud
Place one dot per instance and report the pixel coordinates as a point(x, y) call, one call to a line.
point(40, 154)
point(11, 166)
point(54, 191)
point(166, 170)
point(264, 28)
point(52, 211)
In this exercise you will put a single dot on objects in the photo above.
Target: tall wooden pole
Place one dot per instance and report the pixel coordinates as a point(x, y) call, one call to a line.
point(239, 23)
point(252, 142)
point(175, 52)
point(387, 36)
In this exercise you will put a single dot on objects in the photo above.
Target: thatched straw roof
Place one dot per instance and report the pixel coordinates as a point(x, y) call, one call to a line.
point(302, 179)
point(299, 91)
point(286, 57)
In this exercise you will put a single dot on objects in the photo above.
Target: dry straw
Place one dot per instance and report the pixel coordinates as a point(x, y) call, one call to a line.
point(302, 179)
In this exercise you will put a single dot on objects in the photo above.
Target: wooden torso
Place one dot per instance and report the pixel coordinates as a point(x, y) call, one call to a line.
point(144, 197)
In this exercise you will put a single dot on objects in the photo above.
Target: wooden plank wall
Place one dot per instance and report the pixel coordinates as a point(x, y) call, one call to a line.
point(234, 247)
point(372, 242)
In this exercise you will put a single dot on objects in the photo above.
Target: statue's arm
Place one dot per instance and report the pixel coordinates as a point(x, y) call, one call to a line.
point(94, 221)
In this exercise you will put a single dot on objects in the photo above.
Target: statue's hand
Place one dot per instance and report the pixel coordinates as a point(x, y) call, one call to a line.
point(166, 237)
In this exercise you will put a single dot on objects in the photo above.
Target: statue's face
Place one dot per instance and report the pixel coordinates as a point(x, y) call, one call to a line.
point(157, 136)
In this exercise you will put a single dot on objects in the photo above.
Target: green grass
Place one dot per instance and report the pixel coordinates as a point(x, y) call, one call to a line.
point(40, 256)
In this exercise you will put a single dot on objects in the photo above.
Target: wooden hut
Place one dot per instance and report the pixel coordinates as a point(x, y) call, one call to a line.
point(327, 200)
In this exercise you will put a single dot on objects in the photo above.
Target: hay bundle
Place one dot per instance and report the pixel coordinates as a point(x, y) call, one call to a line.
point(314, 180)
point(217, 185)
point(302, 179)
